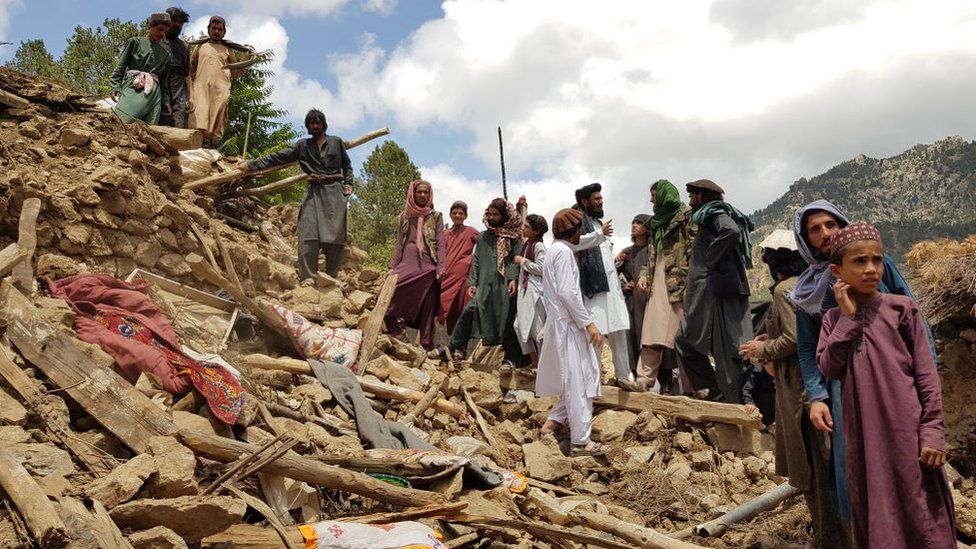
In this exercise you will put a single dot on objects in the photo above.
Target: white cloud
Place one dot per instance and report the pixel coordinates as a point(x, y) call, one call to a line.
point(278, 8)
point(636, 91)
point(6, 6)
point(385, 7)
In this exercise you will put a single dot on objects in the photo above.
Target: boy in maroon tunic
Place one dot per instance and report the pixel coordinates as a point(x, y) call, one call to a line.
point(460, 240)
point(877, 345)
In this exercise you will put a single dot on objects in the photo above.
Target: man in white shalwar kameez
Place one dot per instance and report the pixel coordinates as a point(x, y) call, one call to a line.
point(568, 364)
point(602, 294)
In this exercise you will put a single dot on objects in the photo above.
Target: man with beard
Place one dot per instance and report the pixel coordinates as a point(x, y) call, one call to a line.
point(717, 320)
point(179, 70)
point(322, 217)
point(602, 295)
point(211, 82)
point(490, 315)
point(814, 227)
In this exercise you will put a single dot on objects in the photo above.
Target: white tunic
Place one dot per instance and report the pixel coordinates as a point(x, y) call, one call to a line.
point(568, 365)
point(531, 316)
point(608, 309)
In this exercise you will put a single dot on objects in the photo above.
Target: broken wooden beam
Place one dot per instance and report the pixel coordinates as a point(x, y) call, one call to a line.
point(415, 513)
point(207, 273)
point(640, 536)
point(250, 536)
point(112, 401)
point(374, 325)
point(10, 257)
point(539, 530)
point(437, 384)
point(294, 466)
point(478, 418)
point(178, 139)
point(13, 101)
point(699, 411)
point(39, 513)
point(23, 272)
point(240, 172)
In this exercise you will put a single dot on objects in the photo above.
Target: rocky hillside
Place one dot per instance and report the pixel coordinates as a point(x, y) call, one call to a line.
point(926, 192)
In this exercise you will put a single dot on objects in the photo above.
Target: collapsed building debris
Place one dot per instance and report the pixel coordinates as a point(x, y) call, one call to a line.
point(93, 460)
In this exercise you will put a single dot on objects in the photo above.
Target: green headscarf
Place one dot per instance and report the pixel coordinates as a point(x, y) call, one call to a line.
point(667, 204)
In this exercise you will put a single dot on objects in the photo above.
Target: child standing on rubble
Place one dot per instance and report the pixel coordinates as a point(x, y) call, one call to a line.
point(877, 345)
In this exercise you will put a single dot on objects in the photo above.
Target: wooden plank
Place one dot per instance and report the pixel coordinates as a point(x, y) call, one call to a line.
point(23, 272)
point(374, 325)
point(640, 536)
point(184, 291)
point(179, 139)
point(539, 530)
point(197, 232)
point(42, 518)
point(14, 101)
point(249, 536)
point(10, 257)
point(294, 466)
point(699, 411)
point(112, 536)
point(56, 426)
point(118, 406)
point(478, 418)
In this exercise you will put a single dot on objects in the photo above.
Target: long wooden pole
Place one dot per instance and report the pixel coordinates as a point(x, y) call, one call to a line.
point(39, 513)
point(247, 134)
point(501, 154)
point(296, 467)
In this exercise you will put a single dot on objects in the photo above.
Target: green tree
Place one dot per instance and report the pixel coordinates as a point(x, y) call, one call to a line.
point(32, 57)
point(91, 54)
point(250, 94)
point(378, 201)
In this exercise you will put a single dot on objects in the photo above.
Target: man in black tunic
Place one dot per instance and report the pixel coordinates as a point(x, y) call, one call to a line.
point(179, 70)
point(717, 318)
point(322, 218)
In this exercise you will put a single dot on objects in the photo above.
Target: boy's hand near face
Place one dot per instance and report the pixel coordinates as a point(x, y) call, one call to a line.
point(844, 300)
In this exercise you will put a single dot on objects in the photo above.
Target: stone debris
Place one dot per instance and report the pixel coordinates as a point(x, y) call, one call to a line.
point(112, 202)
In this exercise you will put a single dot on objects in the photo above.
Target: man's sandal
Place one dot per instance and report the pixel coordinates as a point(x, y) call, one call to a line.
point(438, 353)
point(598, 449)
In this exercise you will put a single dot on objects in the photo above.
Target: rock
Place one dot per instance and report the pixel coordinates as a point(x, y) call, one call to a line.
point(541, 404)
point(57, 266)
point(174, 265)
point(732, 438)
point(381, 366)
point(193, 422)
point(368, 275)
point(702, 460)
point(123, 482)
point(13, 434)
point(467, 446)
point(968, 334)
point(638, 456)
point(42, 460)
point(12, 412)
point(147, 253)
point(175, 466)
point(612, 424)
point(191, 517)
point(314, 392)
point(104, 441)
point(678, 469)
point(965, 514)
point(356, 301)
point(684, 441)
point(73, 137)
point(403, 376)
point(159, 537)
point(510, 431)
point(755, 468)
point(709, 502)
point(650, 428)
point(545, 463)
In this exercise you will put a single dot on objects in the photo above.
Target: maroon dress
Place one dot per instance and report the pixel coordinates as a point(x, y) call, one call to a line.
point(892, 402)
point(417, 293)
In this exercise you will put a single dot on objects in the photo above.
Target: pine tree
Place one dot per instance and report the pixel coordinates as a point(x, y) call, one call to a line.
point(378, 200)
point(250, 94)
point(91, 54)
point(32, 57)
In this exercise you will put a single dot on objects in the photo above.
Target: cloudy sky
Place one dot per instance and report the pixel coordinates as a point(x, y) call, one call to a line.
point(750, 93)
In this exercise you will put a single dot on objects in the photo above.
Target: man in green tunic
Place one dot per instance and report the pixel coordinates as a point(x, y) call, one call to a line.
point(140, 81)
point(490, 315)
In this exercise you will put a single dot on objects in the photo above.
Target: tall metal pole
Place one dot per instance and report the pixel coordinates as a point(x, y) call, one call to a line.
point(501, 154)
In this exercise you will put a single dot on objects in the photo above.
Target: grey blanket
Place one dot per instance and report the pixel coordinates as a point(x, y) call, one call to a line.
point(374, 430)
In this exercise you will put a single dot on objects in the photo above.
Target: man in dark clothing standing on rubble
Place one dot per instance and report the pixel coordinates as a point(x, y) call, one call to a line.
point(716, 319)
point(179, 70)
point(322, 217)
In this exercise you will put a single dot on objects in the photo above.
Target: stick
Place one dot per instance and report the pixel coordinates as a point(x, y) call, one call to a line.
point(260, 464)
point(247, 134)
point(410, 514)
point(477, 417)
point(461, 541)
point(228, 262)
point(293, 466)
point(266, 416)
point(240, 464)
point(10, 257)
point(638, 535)
point(39, 513)
point(203, 245)
point(715, 528)
point(436, 386)
point(276, 186)
point(375, 322)
point(328, 421)
point(501, 155)
point(266, 511)
point(538, 529)
point(234, 222)
point(23, 272)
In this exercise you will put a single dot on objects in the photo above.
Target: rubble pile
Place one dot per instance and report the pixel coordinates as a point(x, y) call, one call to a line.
point(90, 460)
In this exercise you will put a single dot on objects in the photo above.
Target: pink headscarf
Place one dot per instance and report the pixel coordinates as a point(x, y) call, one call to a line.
point(411, 209)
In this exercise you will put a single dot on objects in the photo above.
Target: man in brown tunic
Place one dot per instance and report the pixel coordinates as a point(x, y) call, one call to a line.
point(211, 83)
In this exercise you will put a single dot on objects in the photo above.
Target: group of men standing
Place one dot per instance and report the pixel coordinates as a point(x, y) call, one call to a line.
point(158, 79)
